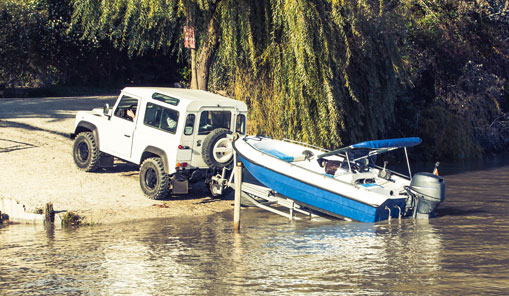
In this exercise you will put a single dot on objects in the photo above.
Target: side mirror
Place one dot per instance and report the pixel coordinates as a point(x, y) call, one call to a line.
point(106, 109)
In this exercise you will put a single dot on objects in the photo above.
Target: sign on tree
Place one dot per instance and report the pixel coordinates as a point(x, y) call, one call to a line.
point(189, 37)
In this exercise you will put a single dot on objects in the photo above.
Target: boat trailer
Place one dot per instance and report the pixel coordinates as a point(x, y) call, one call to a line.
point(265, 198)
point(249, 194)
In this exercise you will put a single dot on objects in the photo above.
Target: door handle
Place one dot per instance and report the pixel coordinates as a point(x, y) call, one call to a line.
point(127, 135)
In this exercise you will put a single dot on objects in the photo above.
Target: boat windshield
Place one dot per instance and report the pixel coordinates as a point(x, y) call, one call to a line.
point(362, 156)
point(376, 147)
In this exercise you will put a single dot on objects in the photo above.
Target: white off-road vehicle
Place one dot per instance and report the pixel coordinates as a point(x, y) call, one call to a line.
point(177, 136)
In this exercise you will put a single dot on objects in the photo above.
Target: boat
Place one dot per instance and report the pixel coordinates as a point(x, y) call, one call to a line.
point(345, 183)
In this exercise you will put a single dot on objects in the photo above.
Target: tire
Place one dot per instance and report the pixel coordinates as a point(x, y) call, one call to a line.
point(214, 189)
point(217, 151)
point(86, 153)
point(154, 182)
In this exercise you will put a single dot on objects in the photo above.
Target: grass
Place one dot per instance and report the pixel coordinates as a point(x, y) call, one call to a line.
point(72, 219)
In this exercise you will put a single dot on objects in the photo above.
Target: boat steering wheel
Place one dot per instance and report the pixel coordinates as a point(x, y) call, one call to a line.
point(362, 165)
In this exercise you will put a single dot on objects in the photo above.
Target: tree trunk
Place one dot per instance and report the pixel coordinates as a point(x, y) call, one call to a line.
point(204, 62)
point(194, 81)
point(200, 65)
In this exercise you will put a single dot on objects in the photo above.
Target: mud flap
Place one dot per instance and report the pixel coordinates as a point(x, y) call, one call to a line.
point(179, 187)
point(106, 161)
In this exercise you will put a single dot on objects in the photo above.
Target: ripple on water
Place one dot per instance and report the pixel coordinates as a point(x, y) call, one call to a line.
point(462, 251)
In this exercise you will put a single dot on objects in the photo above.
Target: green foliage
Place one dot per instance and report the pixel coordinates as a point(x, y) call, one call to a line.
point(310, 71)
point(457, 60)
point(447, 135)
point(138, 26)
point(36, 48)
point(325, 72)
point(21, 31)
point(71, 219)
point(40, 48)
point(300, 65)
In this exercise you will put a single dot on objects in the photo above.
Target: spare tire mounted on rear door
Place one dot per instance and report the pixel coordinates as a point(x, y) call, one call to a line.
point(217, 151)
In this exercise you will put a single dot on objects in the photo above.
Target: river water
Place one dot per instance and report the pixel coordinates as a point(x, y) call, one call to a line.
point(464, 251)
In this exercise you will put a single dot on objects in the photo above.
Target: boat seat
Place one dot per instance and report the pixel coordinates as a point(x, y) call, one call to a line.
point(331, 166)
point(306, 155)
point(278, 154)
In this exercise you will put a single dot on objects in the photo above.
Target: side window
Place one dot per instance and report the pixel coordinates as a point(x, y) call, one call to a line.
point(153, 115)
point(240, 126)
point(189, 128)
point(161, 118)
point(127, 108)
point(210, 120)
point(169, 120)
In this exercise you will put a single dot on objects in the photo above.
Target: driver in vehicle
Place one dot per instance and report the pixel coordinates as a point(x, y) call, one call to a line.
point(131, 114)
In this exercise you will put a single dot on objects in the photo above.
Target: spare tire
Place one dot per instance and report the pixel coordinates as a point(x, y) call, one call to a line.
point(217, 150)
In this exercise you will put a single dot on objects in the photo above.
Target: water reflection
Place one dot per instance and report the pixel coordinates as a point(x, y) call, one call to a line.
point(206, 257)
point(463, 251)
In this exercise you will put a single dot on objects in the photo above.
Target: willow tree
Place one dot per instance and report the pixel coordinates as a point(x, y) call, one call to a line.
point(156, 25)
point(317, 71)
point(324, 72)
point(35, 49)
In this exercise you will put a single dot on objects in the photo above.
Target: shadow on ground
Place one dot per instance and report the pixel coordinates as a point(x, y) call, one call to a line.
point(7, 123)
point(7, 145)
point(57, 108)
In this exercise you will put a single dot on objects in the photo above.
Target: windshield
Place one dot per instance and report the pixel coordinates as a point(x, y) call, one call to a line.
point(210, 120)
point(362, 156)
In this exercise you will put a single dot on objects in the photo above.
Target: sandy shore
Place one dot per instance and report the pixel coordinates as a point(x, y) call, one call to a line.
point(36, 167)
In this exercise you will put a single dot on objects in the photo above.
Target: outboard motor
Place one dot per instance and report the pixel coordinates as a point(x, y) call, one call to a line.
point(428, 191)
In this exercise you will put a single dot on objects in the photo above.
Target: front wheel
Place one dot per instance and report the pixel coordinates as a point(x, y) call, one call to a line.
point(86, 153)
point(154, 181)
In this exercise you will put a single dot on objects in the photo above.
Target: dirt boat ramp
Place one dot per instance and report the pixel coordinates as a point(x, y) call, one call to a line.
point(37, 167)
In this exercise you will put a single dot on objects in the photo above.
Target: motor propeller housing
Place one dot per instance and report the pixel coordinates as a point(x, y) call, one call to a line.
point(429, 191)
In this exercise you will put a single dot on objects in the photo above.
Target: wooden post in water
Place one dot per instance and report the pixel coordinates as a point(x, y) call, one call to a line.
point(49, 214)
point(238, 186)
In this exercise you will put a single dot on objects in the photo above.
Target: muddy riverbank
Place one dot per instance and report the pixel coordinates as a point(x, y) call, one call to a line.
point(36, 167)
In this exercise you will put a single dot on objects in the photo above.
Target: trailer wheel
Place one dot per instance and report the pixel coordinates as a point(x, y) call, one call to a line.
point(154, 181)
point(217, 151)
point(214, 189)
point(86, 153)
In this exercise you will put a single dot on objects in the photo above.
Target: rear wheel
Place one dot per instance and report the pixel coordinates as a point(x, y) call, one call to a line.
point(154, 181)
point(86, 153)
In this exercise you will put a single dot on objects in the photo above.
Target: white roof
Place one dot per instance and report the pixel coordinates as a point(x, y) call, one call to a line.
point(191, 98)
